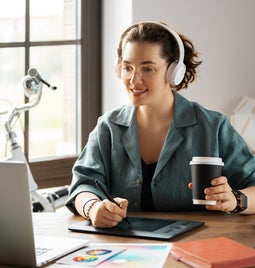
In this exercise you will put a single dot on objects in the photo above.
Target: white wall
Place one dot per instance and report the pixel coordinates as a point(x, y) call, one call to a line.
point(117, 16)
point(222, 31)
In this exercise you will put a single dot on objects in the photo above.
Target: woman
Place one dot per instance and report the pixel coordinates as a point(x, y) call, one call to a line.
point(141, 152)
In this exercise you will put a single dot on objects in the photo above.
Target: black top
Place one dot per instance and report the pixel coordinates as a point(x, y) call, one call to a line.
point(146, 198)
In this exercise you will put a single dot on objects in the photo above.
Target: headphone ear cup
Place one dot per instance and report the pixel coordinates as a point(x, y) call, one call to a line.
point(175, 73)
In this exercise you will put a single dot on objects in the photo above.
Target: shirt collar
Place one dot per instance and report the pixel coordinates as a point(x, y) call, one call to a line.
point(184, 114)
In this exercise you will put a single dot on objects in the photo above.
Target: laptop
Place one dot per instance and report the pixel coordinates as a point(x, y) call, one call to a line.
point(18, 244)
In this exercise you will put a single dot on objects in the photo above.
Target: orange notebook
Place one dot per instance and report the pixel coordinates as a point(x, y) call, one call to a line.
point(219, 252)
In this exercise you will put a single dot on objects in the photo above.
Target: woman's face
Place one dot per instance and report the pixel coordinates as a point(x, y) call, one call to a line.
point(143, 72)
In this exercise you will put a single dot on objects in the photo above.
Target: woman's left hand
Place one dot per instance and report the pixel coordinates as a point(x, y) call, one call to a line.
point(222, 193)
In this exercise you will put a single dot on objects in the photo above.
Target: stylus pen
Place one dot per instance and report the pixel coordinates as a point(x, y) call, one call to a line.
point(101, 188)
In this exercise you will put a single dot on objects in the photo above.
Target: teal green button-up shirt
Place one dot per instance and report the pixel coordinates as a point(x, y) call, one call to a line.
point(112, 156)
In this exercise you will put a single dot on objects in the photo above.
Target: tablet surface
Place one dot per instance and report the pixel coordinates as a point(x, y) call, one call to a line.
point(152, 228)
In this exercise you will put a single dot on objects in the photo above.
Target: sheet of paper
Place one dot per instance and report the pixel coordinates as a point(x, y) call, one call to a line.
point(91, 256)
point(120, 255)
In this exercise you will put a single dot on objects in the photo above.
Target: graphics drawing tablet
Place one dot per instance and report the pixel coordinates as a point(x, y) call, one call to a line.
point(151, 228)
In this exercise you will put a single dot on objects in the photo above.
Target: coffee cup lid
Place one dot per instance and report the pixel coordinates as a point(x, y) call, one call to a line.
point(206, 160)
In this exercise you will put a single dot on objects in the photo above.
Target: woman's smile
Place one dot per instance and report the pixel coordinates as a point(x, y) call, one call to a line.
point(138, 91)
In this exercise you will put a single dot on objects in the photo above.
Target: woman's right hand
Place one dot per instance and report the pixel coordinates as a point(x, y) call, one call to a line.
point(102, 213)
point(107, 214)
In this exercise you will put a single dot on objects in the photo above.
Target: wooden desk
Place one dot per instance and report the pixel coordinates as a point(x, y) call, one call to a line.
point(237, 227)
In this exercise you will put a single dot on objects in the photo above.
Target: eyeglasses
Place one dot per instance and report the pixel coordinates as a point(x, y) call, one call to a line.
point(144, 72)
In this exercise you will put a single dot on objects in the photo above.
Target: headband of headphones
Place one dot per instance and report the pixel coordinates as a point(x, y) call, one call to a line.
point(176, 70)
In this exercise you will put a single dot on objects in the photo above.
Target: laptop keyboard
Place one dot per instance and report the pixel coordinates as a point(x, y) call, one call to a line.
point(40, 251)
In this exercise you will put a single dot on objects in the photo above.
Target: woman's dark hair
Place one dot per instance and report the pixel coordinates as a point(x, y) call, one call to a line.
point(152, 32)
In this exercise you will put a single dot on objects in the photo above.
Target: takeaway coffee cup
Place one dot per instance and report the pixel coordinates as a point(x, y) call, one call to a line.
point(203, 170)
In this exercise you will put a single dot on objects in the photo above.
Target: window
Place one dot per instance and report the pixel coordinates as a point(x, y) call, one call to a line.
point(61, 39)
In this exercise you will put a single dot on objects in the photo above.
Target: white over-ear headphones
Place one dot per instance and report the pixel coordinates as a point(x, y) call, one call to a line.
point(176, 71)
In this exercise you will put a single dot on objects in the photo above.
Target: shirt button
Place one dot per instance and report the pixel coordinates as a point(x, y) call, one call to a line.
point(136, 203)
point(138, 181)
